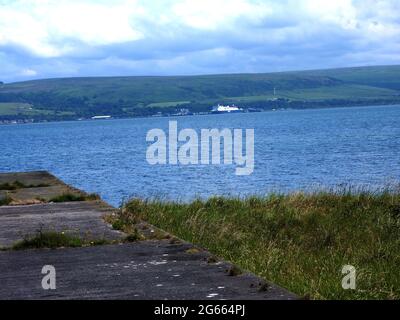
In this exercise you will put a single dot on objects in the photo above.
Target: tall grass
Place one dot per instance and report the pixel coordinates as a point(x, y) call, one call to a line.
point(299, 241)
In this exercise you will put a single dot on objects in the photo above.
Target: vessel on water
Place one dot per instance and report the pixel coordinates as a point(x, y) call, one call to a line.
point(101, 117)
point(226, 109)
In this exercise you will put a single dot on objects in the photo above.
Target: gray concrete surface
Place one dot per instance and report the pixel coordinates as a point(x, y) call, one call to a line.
point(48, 187)
point(30, 178)
point(83, 218)
point(143, 270)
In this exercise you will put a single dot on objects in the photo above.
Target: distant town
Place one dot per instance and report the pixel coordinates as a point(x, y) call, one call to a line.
point(179, 113)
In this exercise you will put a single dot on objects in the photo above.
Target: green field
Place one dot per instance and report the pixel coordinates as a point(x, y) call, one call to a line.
point(168, 104)
point(340, 92)
point(138, 96)
point(300, 241)
point(322, 93)
point(26, 110)
point(17, 108)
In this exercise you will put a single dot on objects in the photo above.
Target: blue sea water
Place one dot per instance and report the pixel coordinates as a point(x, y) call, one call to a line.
point(294, 150)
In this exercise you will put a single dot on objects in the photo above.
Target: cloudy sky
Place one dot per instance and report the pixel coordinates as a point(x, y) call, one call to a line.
point(64, 38)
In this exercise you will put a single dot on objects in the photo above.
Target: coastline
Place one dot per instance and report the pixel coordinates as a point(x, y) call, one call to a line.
point(30, 121)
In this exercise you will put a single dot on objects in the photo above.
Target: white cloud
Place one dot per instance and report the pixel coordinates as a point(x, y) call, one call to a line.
point(340, 12)
point(213, 14)
point(45, 28)
point(93, 23)
point(89, 37)
point(28, 73)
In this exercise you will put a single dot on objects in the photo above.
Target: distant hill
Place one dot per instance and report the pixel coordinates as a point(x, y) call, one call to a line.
point(140, 96)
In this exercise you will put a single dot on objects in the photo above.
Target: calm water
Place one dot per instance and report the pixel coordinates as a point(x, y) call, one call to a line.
point(293, 150)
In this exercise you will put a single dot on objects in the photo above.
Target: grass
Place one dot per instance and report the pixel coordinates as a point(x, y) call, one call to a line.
point(134, 236)
point(299, 241)
point(19, 185)
point(5, 201)
point(68, 197)
point(10, 109)
point(168, 104)
point(53, 240)
point(123, 221)
point(49, 240)
point(339, 92)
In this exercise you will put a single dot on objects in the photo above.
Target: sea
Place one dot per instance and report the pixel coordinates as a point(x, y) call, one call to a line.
point(294, 151)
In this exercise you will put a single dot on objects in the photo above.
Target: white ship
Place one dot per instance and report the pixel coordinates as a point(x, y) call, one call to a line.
point(101, 117)
point(226, 109)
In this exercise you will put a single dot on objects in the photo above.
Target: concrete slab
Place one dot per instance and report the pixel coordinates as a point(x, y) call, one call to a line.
point(41, 193)
point(143, 270)
point(41, 185)
point(30, 178)
point(83, 218)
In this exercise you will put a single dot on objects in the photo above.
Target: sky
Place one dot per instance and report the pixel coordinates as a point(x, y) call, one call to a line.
point(74, 38)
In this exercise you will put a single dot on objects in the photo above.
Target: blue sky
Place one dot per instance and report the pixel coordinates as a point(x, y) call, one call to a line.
point(70, 38)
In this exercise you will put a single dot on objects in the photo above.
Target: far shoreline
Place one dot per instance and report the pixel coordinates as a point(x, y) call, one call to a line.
point(28, 121)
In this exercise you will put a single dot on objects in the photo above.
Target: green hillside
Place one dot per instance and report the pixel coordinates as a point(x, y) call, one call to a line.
point(138, 96)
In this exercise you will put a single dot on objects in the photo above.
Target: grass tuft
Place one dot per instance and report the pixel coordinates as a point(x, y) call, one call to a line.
point(234, 271)
point(192, 251)
point(50, 240)
point(134, 236)
point(19, 185)
point(53, 240)
point(68, 197)
point(5, 201)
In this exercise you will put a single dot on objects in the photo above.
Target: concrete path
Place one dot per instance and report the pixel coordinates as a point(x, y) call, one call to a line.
point(150, 269)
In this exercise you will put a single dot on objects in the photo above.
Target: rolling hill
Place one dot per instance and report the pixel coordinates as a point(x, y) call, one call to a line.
point(71, 98)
